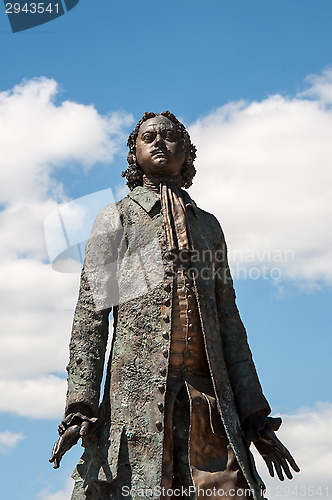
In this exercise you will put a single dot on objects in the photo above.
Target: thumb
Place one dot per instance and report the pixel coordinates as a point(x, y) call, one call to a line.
point(84, 430)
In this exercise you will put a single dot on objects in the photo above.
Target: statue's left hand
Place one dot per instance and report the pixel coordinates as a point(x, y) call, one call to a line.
point(73, 427)
point(275, 454)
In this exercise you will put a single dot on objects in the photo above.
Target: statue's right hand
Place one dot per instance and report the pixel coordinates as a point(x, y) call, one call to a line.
point(66, 441)
point(73, 427)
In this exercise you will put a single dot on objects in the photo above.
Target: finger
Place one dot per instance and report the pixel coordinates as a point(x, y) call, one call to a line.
point(56, 463)
point(57, 453)
point(284, 465)
point(55, 459)
point(54, 451)
point(61, 429)
point(269, 466)
point(67, 420)
point(278, 469)
point(84, 433)
point(84, 429)
point(65, 423)
point(292, 462)
point(283, 450)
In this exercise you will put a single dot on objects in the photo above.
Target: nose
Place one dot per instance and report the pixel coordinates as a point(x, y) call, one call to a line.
point(159, 140)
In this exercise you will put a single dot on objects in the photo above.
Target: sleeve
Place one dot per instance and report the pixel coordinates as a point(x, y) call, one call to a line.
point(97, 294)
point(254, 424)
point(243, 377)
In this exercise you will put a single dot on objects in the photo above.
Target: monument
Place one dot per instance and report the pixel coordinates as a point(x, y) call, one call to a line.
point(182, 401)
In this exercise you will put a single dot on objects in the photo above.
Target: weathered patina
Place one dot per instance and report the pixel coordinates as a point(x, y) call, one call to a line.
point(129, 267)
point(139, 356)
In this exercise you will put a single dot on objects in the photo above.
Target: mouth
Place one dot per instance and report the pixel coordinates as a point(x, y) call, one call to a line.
point(159, 153)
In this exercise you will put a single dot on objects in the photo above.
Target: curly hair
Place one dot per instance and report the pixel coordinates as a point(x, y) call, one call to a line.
point(134, 173)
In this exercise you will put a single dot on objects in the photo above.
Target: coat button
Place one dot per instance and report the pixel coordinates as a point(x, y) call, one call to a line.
point(163, 372)
point(165, 353)
point(159, 426)
point(167, 302)
point(161, 388)
point(166, 318)
point(168, 288)
point(160, 407)
point(165, 335)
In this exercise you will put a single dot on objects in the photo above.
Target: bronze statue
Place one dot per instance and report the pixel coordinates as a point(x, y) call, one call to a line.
point(182, 400)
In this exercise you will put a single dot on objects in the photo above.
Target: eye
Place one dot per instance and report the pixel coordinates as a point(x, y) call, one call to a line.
point(148, 136)
point(171, 136)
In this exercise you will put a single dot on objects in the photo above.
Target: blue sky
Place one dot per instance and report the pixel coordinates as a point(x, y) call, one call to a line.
point(237, 74)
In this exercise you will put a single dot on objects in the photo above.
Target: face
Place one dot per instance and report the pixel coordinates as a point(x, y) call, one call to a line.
point(159, 148)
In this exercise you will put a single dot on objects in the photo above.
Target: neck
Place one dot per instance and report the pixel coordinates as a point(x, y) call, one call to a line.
point(153, 183)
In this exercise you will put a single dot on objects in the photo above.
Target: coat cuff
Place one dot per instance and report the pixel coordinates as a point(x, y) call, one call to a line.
point(79, 407)
point(254, 424)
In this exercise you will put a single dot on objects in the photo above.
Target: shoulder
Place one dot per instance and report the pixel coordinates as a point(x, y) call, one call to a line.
point(208, 219)
point(112, 212)
point(115, 215)
point(108, 219)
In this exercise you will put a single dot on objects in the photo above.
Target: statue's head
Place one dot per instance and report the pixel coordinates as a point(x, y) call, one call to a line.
point(160, 146)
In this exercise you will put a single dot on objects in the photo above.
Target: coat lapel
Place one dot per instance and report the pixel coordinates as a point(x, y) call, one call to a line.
point(147, 199)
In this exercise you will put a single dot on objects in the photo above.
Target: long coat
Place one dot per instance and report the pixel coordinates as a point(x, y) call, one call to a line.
point(127, 266)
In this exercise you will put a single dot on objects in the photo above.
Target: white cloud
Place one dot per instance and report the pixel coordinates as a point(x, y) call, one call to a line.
point(36, 314)
point(320, 86)
point(64, 494)
point(308, 436)
point(38, 136)
point(39, 397)
point(8, 440)
point(265, 170)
